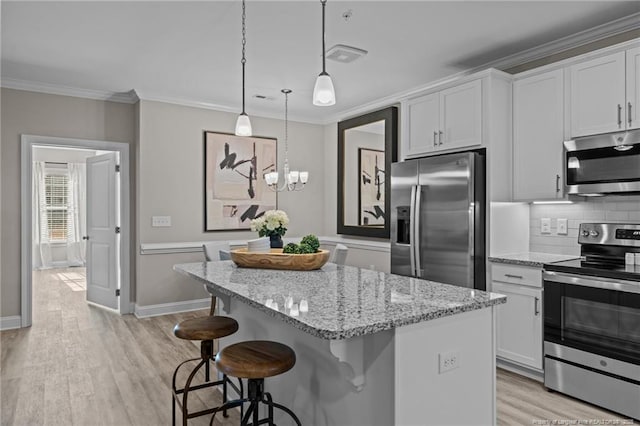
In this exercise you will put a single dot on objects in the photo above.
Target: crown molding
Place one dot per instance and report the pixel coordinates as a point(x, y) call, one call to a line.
point(609, 29)
point(224, 108)
point(129, 97)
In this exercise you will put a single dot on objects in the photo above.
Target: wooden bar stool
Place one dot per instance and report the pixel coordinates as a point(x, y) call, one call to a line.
point(206, 329)
point(255, 360)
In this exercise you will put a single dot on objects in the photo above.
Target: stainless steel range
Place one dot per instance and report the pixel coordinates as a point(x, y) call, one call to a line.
point(592, 320)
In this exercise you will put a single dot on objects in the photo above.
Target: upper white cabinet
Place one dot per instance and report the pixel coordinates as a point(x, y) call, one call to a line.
point(602, 95)
point(633, 88)
point(448, 119)
point(469, 113)
point(538, 133)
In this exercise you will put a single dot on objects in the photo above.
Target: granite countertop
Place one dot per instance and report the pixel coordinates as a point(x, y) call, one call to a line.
point(531, 258)
point(344, 301)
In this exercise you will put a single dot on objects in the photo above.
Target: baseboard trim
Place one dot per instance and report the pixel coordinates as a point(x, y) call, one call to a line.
point(9, 323)
point(171, 308)
point(522, 370)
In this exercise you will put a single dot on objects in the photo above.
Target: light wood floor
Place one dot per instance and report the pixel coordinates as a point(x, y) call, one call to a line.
point(81, 365)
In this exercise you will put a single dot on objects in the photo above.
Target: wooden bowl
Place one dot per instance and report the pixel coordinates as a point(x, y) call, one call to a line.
point(278, 260)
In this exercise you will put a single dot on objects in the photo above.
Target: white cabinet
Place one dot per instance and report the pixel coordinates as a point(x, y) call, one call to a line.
point(448, 119)
point(598, 99)
point(424, 122)
point(633, 88)
point(519, 321)
point(538, 135)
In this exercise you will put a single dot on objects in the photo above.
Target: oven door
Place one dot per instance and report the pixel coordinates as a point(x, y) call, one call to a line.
point(602, 169)
point(592, 314)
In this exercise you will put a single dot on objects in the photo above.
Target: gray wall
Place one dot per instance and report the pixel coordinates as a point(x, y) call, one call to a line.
point(45, 115)
point(170, 182)
point(601, 209)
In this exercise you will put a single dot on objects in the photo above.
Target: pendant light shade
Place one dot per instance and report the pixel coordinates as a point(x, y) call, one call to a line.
point(243, 124)
point(323, 92)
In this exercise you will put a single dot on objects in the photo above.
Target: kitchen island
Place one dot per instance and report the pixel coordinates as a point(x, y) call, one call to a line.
point(372, 348)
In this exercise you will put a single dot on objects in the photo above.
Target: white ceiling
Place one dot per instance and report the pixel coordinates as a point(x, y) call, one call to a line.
point(190, 51)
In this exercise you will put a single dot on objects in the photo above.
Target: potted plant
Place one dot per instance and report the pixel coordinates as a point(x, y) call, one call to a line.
point(272, 224)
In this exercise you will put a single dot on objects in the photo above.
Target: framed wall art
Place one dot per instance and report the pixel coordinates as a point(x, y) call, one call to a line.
point(234, 189)
point(371, 187)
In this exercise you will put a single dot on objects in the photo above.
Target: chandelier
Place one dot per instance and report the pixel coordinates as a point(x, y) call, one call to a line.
point(293, 180)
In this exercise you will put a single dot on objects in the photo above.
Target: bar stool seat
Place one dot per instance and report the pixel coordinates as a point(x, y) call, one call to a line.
point(255, 360)
point(205, 329)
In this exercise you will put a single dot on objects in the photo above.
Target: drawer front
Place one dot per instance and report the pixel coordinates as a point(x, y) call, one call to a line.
point(513, 274)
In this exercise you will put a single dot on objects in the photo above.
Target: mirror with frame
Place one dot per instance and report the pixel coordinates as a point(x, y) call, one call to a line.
point(367, 145)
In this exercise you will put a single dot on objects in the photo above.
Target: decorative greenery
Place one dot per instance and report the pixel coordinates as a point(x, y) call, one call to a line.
point(291, 248)
point(273, 222)
point(309, 244)
point(312, 241)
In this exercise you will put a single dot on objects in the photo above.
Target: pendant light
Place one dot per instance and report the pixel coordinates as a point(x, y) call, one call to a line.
point(243, 125)
point(323, 92)
point(293, 180)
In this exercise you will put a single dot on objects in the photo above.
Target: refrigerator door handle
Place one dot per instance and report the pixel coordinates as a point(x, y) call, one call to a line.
point(416, 231)
point(412, 218)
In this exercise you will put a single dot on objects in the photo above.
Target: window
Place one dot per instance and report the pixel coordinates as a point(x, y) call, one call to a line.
point(56, 197)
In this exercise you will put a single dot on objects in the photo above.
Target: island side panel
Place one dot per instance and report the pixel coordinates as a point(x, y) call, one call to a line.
point(464, 395)
point(320, 388)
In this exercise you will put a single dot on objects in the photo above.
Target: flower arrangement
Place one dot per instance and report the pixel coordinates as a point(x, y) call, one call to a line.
point(273, 222)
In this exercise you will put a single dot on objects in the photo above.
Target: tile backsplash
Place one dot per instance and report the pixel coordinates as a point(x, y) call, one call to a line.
point(600, 209)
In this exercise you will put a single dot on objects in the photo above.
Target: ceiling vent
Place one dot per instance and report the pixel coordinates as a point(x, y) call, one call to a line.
point(264, 97)
point(345, 54)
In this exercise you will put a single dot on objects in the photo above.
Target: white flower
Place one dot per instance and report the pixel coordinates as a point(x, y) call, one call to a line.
point(273, 222)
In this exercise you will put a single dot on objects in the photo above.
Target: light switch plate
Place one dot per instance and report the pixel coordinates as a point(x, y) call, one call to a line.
point(562, 226)
point(545, 225)
point(161, 221)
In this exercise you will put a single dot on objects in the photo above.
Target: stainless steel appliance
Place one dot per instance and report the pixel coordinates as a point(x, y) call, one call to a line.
point(438, 219)
point(602, 164)
point(592, 320)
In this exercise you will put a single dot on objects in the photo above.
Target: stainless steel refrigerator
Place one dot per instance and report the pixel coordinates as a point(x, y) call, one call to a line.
point(438, 219)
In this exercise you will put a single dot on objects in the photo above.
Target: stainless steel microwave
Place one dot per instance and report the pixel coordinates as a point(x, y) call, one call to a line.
point(603, 164)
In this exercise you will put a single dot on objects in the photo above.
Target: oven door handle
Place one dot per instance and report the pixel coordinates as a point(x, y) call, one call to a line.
point(594, 282)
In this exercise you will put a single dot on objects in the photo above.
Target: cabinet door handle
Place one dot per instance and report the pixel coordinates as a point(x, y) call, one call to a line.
point(557, 183)
point(629, 118)
point(435, 142)
point(536, 311)
point(513, 276)
point(440, 137)
point(619, 115)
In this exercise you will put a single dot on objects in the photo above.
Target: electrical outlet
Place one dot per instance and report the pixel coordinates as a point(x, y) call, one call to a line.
point(545, 225)
point(161, 221)
point(562, 226)
point(448, 361)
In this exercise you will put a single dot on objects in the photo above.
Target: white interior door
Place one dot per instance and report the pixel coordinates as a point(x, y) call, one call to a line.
point(102, 221)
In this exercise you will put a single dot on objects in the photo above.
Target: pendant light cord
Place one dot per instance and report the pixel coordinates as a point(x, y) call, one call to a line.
point(324, 68)
point(286, 125)
point(244, 42)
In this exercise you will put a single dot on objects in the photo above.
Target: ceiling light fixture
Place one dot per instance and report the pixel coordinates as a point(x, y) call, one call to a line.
point(293, 180)
point(243, 125)
point(323, 92)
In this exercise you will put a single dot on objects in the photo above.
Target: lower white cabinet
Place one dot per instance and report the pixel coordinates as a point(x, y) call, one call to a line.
point(519, 323)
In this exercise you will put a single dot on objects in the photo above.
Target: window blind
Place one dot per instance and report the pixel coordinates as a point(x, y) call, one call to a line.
point(56, 193)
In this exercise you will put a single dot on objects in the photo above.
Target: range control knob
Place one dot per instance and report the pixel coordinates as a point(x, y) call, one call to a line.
point(585, 233)
point(594, 233)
